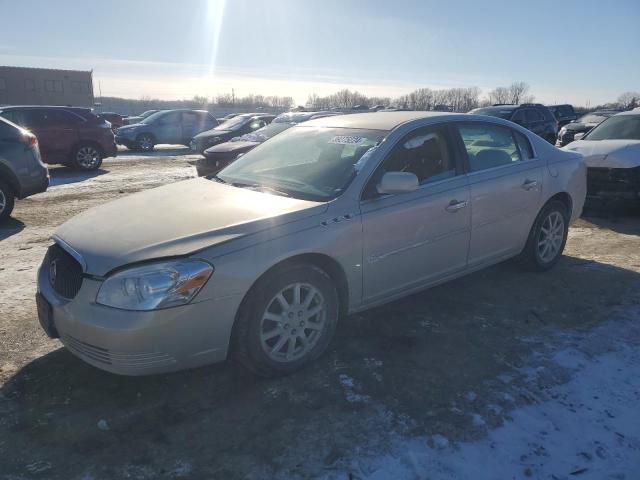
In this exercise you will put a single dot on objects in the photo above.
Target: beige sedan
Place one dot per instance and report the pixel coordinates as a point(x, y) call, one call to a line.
point(331, 217)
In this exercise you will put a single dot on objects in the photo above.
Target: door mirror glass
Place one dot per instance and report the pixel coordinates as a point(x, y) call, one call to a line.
point(397, 182)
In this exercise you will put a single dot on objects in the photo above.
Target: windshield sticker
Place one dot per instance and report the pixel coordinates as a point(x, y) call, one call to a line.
point(347, 140)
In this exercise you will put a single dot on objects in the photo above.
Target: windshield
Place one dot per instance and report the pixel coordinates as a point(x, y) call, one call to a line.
point(493, 112)
point(264, 133)
point(313, 163)
point(151, 118)
point(147, 113)
point(618, 127)
point(233, 123)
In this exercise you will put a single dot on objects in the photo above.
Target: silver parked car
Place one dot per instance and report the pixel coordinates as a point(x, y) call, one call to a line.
point(330, 217)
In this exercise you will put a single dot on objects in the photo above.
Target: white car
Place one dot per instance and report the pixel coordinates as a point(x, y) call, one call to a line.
point(612, 156)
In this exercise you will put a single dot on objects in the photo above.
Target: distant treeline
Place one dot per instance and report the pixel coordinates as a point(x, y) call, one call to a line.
point(451, 99)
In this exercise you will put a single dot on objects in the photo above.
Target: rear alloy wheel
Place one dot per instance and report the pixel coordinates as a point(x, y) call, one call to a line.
point(145, 142)
point(287, 320)
point(87, 157)
point(6, 200)
point(547, 238)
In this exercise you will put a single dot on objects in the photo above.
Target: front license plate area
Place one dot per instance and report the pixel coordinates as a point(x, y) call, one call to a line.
point(45, 316)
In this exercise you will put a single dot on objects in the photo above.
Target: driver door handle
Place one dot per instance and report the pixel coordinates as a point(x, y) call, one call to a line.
point(529, 184)
point(455, 205)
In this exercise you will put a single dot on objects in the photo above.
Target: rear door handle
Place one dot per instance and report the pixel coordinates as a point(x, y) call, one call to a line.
point(529, 184)
point(455, 205)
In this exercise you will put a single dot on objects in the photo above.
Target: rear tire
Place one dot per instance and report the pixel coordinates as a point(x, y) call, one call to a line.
point(86, 157)
point(287, 320)
point(145, 142)
point(7, 200)
point(547, 238)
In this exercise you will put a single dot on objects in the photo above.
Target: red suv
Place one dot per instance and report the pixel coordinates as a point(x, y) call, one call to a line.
point(70, 136)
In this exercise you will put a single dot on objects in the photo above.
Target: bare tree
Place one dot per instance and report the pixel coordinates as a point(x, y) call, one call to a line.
point(517, 92)
point(629, 100)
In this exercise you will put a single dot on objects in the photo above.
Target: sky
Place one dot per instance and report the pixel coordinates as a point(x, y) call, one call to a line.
point(582, 52)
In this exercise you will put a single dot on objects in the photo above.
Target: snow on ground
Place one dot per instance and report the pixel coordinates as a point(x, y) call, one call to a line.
point(586, 428)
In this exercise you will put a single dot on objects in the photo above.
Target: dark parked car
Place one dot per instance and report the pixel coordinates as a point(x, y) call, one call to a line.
point(69, 136)
point(22, 172)
point(165, 126)
point(115, 119)
point(221, 155)
point(137, 118)
point(238, 125)
point(582, 125)
point(563, 113)
point(532, 116)
point(227, 117)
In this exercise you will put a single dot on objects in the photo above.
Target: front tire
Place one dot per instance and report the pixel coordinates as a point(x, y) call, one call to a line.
point(7, 200)
point(86, 157)
point(547, 237)
point(287, 320)
point(145, 142)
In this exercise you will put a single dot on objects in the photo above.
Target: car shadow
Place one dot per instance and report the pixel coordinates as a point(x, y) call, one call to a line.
point(10, 227)
point(623, 221)
point(66, 175)
point(408, 362)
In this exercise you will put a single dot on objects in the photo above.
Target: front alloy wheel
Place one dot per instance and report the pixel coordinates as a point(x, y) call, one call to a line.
point(292, 322)
point(287, 320)
point(145, 143)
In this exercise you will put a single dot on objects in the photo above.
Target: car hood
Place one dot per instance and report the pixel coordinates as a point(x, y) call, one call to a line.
point(576, 126)
point(129, 127)
point(608, 153)
point(212, 133)
point(175, 220)
point(231, 147)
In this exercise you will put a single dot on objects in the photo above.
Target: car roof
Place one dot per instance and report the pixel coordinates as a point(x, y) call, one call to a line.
point(629, 112)
point(16, 107)
point(374, 120)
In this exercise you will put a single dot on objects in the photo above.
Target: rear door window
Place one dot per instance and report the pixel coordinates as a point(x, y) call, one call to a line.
point(489, 146)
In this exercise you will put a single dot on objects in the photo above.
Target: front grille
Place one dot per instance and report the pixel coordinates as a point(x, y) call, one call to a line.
point(613, 180)
point(65, 273)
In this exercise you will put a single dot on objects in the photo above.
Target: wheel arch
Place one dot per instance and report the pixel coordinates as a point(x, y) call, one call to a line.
point(87, 141)
point(10, 177)
point(151, 134)
point(323, 261)
point(563, 197)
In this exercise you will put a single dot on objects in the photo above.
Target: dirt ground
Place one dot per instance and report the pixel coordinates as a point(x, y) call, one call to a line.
point(450, 365)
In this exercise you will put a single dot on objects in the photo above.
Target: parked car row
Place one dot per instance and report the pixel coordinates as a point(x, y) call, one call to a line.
point(165, 126)
point(221, 155)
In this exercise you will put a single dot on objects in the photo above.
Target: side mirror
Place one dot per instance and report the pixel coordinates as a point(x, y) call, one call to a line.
point(397, 182)
point(579, 135)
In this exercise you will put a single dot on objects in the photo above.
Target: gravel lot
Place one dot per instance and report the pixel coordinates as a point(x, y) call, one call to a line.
point(501, 374)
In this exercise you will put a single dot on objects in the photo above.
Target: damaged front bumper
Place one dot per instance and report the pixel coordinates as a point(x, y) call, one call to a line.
point(613, 183)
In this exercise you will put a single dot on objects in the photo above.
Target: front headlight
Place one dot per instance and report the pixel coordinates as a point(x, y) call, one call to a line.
point(155, 286)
